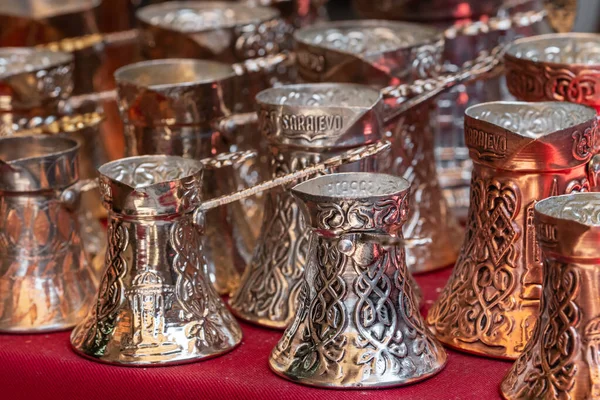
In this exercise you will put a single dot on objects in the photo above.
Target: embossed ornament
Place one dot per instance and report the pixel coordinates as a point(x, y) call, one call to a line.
point(561, 361)
point(155, 304)
point(491, 302)
point(357, 323)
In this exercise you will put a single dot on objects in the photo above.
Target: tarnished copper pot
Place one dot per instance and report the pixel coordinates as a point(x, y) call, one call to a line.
point(561, 360)
point(522, 153)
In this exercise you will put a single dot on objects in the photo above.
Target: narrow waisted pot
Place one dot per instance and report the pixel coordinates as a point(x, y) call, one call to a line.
point(522, 153)
point(383, 53)
point(357, 323)
point(46, 282)
point(304, 125)
point(155, 304)
point(560, 360)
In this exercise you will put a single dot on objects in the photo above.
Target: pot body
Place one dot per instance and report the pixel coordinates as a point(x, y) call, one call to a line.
point(567, 228)
point(357, 324)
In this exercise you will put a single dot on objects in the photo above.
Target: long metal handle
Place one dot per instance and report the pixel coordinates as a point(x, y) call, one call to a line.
point(228, 159)
point(229, 125)
point(344, 158)
point(94, 39)
point(66, 124)
point(401, 98)
point(263, 64)
point(499, 24)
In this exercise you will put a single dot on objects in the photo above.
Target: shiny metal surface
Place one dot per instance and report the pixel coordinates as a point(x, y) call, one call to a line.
point(426, 10)
point(228, 32)
point(561, 359)
point(522, 153)
point(304, 124)
point(384, 53)
point(174, 107)
point(155, 305)
point(84, 130)
point(561, 67)
point(45, 281)
point(34, 82)
point(222, 31)
point(357, 324)
point(32, 79)
point(374, 52)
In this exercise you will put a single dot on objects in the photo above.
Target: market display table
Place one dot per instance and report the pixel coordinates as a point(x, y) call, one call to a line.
point(44, 367)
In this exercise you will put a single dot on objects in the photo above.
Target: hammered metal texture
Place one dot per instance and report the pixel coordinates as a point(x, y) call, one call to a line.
point(561, 67)
point(522, 153)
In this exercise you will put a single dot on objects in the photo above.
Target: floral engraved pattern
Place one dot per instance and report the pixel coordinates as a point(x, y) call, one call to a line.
point(392, 338)
point(536, 82)
point(476, 305)
point(271, 282)
point(210, 325)
point(349, 215)
point(93, 335)
point(546, 369)
point(358, 322)
point(324, 344)
point(583, 143)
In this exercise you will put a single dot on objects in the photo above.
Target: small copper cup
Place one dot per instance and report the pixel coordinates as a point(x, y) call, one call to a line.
point(522, 153)
point(561, 360)
point(555, 67)
point(383, 53)
point(358, 324)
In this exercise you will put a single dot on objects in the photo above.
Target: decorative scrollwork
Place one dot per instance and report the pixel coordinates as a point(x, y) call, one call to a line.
point(546, 369)
point(473, 307)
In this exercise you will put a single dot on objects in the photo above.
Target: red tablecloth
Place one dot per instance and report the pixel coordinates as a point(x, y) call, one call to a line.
point(45, 367)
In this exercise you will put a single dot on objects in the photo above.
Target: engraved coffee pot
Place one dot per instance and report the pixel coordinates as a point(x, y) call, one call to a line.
point(223, 31)
point(383, 53)
point(156, 304)
point(184, 107)
point(357, 324)
point(561, 359)
point(34, 83)
point(303, 125)
point(46, 282)
point(522, 153)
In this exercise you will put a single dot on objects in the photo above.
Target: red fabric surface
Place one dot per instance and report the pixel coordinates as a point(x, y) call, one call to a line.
point(45, 367)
